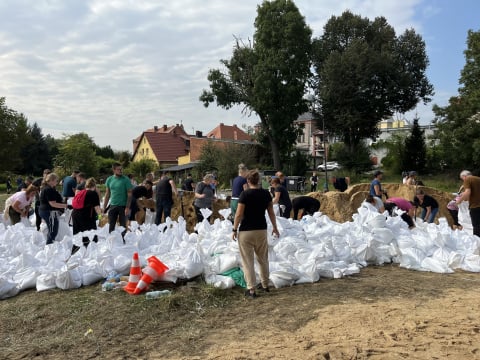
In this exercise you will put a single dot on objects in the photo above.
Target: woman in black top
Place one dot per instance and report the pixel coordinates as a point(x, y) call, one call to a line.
point(51, 206)
point(428, 204)
point(281, 197)
point(85, 218)
point(252, 234)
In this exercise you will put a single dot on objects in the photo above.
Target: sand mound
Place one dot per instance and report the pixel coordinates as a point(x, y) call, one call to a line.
point(341, 206)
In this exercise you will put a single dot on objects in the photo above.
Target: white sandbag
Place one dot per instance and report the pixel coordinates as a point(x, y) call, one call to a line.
point(436, 265)
point(220, 281)
point(68, 278)
point(224, 262)
point(26, 278)
point(383, 235)
point(378, 221)
point(46, 281)
point(471, 263)
point(282, 278)
point(8, 288)
point(412, 258)
point(91, 272)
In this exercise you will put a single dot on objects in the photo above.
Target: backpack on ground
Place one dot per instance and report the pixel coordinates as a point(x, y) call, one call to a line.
point(78, 201)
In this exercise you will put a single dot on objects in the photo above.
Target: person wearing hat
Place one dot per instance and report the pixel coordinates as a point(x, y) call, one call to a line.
point(376, 185)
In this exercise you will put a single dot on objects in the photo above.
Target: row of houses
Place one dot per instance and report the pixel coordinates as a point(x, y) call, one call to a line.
point(173, 149)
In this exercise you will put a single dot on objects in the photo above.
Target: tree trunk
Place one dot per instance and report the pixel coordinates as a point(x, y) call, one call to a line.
point(275, 153)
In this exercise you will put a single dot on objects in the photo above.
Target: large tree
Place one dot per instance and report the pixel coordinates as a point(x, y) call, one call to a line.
point(35, 154)
point(415, 155)
point(365, 73)
point(268, 76)
point(13, 137)
point(77, 152)
point(459, 122)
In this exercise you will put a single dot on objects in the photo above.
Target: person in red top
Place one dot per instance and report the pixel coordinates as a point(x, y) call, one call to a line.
point(403, 204)
point(471, 184)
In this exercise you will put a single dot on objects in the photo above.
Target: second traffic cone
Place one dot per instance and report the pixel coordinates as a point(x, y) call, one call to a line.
point(151, 272)
point(135, 275)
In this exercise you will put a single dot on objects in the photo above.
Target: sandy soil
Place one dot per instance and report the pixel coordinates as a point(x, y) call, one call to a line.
point(384, 312)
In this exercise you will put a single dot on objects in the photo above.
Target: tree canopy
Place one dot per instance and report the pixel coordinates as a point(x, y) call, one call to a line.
point(268, 76)
point(13, 137)
point(365, 73)
point(459, 122)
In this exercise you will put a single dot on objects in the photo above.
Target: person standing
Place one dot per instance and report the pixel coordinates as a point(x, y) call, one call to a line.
point(204, 196)
point(18, 205)
point(51, 206)
point(85, 218)
point(188, 184)
point(281, 198)
point(376, 185)
point(428, 204)
point(69, 186)
point(164, 198)
point(9, 185)
point(239, 184)
point(251, 226)
point(81, 181)
point(118, 193)
point(471, 193)
point(39, 183)
point(313, 182)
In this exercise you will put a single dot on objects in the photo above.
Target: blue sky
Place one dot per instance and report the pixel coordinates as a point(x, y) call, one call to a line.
point(113, 68)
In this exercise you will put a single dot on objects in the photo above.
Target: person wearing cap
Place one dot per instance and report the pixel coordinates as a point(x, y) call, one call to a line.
point(471, 193)
point(376, 185)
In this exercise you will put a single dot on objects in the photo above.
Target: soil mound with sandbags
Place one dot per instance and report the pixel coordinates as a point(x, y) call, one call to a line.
point(340, 206)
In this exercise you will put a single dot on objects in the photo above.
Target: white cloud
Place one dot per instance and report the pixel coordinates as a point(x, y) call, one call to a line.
point(112, 68)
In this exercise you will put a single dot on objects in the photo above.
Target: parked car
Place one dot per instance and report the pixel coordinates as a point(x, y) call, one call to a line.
point(331, 165)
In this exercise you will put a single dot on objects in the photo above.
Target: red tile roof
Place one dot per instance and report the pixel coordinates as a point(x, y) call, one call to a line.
point(223, 131)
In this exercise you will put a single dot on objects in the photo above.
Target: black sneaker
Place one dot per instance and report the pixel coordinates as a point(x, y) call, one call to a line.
point(264, 289)
point(250, 295)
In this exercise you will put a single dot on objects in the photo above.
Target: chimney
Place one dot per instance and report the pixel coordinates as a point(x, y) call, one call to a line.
point(155, 128)
point(164, 127)
point(198, 134)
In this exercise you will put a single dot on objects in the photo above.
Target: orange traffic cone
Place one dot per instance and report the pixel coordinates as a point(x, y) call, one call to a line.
point(135, 275)
point(151, 272)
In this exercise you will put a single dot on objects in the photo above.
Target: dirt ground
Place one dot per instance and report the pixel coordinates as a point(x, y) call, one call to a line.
point(384, 312)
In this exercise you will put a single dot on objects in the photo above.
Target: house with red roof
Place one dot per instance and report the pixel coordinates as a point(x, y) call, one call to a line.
point(173, 149)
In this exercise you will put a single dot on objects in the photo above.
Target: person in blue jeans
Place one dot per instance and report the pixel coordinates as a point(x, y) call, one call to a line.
point(51, 206)
point(428, 204)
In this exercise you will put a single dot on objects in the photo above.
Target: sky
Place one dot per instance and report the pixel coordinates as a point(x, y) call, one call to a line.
point(114, 68)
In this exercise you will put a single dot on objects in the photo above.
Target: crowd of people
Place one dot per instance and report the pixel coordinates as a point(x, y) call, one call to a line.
point(249, 203)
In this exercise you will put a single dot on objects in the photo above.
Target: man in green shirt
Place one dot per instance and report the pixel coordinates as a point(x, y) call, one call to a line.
point(117, 197)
